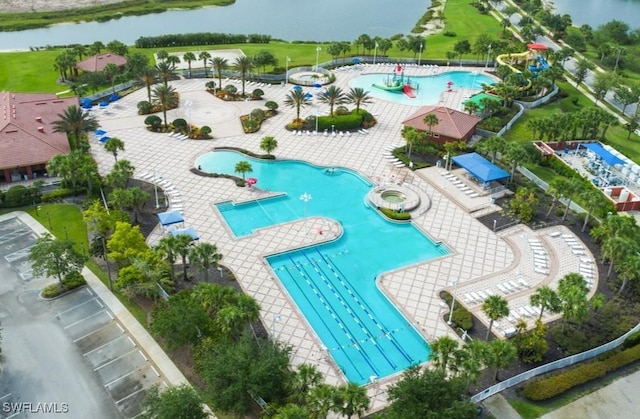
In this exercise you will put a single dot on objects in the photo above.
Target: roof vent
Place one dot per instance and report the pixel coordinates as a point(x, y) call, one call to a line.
point(39, 118)
point(41, 129)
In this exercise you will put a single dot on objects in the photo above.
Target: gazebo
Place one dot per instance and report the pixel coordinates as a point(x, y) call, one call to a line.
point(170, 218)
point(480, 168)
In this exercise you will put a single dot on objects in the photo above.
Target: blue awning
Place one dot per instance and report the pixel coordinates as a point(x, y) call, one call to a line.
point(170, 217)
point(480, 167)
point(605, 155)
point(189, 231)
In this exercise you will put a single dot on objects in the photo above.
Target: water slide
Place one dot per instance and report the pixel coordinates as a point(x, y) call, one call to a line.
point(409, 91)
point(501, 60)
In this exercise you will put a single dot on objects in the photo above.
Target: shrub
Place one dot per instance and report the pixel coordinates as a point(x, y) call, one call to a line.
point(450, 34)
point(271, 105)
point(462, 318)
point(70, 282)
point(17, 196)
point(395, 215)
point(57, 195)
point(205, 131)
point(342, 110)
point(180, 124)
point(250, 125)
point(144, 107)
point(340, 122)
point(257, 93)
point(153, 121)
point(632, 340)
point(210, 85)
point(257, 114)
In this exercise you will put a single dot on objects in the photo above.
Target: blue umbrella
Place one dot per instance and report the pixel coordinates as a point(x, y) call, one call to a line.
point(104, 139)
point(85, 100)
point(317, 85)
point(114, 97)
point(297, 88)
point(100, 131)
point(104, 104)
point(308, 95)
point(356, 60)
point(87, 105)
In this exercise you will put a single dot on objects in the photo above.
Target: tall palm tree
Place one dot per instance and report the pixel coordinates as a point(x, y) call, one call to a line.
point(268, 144)
point(219, 64)
point(492, 146)
point(502, 353)
point(165, 70)
point(592, 200)
point(557, 188)
point(166, 96)
point(545, 298)
point(430, 120)
point(629, 269)
point(110, 72)
point(574, 187)
point(515, 154)
point(76, 123)
point(351, 399)
point(243, 167)
point(442, 350)
point(148, 77)
point(359, 97)
point(495, 308)
point(182, 247)
point(113, 145)
point(244, 65)
point(206, 256)
point(573, 290)
point(616, 249)
point(332, 96)
point(166, 248)
point(188, 57)
point(305, 378)
point(320, 400)
point(204, 56)
point(296, 99)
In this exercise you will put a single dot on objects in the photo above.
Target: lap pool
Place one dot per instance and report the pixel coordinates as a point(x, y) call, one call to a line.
point(334, 284)
point(427, 89)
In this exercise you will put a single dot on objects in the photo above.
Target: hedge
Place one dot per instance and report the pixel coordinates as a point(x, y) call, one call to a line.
point(340, 122)
point(395, 215)
point(549, 387)
point(57, 195)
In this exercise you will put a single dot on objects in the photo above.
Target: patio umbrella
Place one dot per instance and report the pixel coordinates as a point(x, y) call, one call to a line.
point(103, 139)
point(252, 181)
point(317, 85)
point(297, 88)
point(100, 131)
point(87, 105)
point(308, 95)
point(114, 97)
point(85, 100)
point(104, 104)
point(356, 60)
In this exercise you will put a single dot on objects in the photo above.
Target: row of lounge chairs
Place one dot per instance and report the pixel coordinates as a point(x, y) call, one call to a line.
point(178, 136)
point(174, 198)
point(540, 257)
point(460, 184)
point(510, 286)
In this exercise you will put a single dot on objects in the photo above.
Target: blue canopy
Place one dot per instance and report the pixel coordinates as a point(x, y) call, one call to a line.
point(100, 131)
point(114, 97)
point(104, 104)
point(480, 167)
point(85, 100)
point(189, 231)
point(297, 87)
point(308, 95)
point(605, 155)
point(103, 139)
point(170, 217)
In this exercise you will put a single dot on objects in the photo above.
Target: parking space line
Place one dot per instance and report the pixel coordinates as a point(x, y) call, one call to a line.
point(113, 360)
point(102, 346)
point(5, 396)
point(14, 415)
point(131, 340)
point(110, 315)
point(100, 302)
point(120, 378)
point(120, 327)
point(85, 318)
point(76, 306)
point(143, 355)
point(155, 370)
point(96, 330)
point(132, 394)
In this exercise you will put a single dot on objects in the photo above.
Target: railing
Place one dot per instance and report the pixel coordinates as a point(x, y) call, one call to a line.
point(552, 366)
point(512, 121)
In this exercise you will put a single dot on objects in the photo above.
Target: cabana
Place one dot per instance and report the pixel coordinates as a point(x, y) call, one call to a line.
point(481, 168)
point(602, 153)
point(170, 218)
point(189, 231)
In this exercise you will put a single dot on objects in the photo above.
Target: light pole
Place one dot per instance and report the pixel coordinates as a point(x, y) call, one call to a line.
point(155, 188)
point(305, 197)
point(316, 121)
point(617, 59)
point(495, 224)
point(276, 318)
point(420, 54)
point(286, 71)
point(375, 52)
point(453, 301)
point(106, 259)
point(486, 63)
point(318, 49)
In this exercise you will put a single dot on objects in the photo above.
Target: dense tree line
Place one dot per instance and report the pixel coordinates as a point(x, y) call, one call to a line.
point(200, 38)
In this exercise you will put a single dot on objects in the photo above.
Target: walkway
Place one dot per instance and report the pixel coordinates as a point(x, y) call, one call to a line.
point(477, 252)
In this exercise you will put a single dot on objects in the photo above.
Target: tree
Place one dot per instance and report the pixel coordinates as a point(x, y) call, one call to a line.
point(583, 66)
point(557, 188)
point(205, 256)
point(627, 95)
point(178, 402)
point(305, 378)
point(148, 77)
point(204, 56)
point(126, 243)
point(602, 84)
point(296, 99)
point(573, 290)
point(515, 154)
point(76, 123)
point(629, 269)
point(165, 71)
point(179, 322)
point(320, 400)
point(350, 399)
point(113, 145)
point(120, 175)
point(144, 275)
point(167, 97)
point(492, 145)
point(592, 201)
point(332, 96)
point(189, 57)
point(236, 371)
point(129, 199)
point(495, 308)
point(532, 346)
point(461, 48)
point(263, 59)
point(442, 350)
point(547, 299)
point(430, 121)
point(243, 167)
point(74, 167)
point(268, 144)
point(501, 354)
point(110, 72)
point(427, 393)
point(117, 47)
point(244, 65)
point(359, 97)
point(219, 65)
point(53, 257)
point(136, 64)
point(182, 247)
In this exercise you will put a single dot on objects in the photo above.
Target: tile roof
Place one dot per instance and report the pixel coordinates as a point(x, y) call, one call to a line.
point(26, 135)
point(452, 123)
point(98, 62)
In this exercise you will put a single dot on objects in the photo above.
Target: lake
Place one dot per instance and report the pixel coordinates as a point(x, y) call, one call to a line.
point(598, 12)
point(291, 20)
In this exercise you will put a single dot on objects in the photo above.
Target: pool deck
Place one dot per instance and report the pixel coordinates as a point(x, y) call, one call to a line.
point(481, 260)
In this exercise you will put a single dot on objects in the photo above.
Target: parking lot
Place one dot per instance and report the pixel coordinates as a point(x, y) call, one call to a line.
point(70, 356)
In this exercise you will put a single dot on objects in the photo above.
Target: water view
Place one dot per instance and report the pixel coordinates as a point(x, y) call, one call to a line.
point(599, 12)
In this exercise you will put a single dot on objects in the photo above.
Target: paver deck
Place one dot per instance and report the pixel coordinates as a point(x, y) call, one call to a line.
point(479, 259)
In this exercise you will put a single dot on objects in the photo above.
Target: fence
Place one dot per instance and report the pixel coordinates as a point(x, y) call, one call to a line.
point(546, 98)
point(552, 366)
point(543, 185)
point(512, 121)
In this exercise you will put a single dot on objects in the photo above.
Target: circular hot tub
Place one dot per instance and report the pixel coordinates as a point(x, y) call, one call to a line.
point(394, 197)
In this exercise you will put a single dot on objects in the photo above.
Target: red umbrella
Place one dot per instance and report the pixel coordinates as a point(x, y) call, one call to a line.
point(252, 181)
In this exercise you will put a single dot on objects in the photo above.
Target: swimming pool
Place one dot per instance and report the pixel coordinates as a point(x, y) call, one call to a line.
point(428, 88)
point(333, 284)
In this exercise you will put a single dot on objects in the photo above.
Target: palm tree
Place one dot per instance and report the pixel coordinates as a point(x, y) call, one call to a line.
point(166, 248)
point(351, 399)
point(165, 70)
point(268, 144)
point(502, 354)
point(412, 137)
point(573, 290)
point(76, 123)
point(442, 350)
point(515, 154)
point(629, 269)
point(243, 167)
point(592, 201)
point(219, 64)
point(546, 299)
point(320, 400)
point(616, 249)
point(305, 378)
point(110, 72)
point(573, 188)
point(495, 307)
point(188, 57)
point(430, 120)
point(166, 96)
point(358, 96)
point(244, 65)
point(333, 95)
point(204, 56)
point(113, 145)
point(492, 146)
point(557, 188)
point(296, 99)
point(182, 247)
point(148, 77)
point(205, 255)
